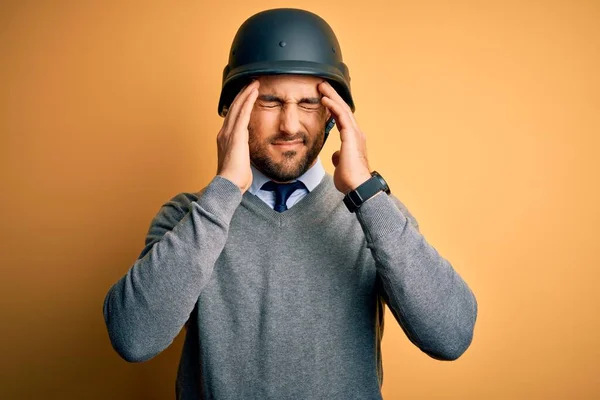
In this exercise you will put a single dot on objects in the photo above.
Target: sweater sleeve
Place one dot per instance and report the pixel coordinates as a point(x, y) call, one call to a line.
point(431, 302)
point(146, 309)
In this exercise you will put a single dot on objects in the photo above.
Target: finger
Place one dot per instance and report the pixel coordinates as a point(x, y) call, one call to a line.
point(239, 93)
point(239, 100)
point(236, 105)
point(243, 120)
point(335, 158)
point(328, 90)
point(225, 132)
point(235, 99)
point(341, 116)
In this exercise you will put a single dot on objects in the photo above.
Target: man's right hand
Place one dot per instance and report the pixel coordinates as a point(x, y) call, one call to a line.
point(232, 140)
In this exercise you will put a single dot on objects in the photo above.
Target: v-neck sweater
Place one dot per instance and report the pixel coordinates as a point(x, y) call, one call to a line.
point(285, 305)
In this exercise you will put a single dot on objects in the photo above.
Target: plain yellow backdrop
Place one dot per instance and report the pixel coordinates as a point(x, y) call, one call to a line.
point(483, 117)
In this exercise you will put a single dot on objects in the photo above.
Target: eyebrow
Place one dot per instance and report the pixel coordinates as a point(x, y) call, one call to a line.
point(306, 100)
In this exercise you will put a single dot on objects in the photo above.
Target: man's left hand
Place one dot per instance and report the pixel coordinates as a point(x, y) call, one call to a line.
point(350, 161)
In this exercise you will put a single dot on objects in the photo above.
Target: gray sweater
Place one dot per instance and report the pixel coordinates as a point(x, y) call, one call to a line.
point(285, 305)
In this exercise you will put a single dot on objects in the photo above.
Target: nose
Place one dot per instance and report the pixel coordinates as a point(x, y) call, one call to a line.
point(289, 120)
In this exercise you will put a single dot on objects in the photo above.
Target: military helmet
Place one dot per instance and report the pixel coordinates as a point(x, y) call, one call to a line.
point(284, 41)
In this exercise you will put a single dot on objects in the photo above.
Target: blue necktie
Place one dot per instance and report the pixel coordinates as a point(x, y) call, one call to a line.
point(283, 191)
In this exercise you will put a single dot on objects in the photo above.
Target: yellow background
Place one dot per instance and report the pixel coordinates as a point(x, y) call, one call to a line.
point(482, 116)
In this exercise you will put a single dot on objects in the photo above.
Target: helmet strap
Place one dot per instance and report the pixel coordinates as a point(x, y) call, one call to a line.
point(328, 127)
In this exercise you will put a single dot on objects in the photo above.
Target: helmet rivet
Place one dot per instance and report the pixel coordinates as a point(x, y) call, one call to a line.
point(282, 43)
point(333, 49)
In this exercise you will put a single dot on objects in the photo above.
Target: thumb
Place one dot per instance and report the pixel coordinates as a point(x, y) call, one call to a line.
point(335, 158)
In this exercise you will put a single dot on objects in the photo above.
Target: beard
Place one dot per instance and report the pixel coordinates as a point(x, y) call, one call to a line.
point(292, 165)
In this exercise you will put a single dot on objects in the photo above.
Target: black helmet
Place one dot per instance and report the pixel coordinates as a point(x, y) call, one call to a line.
point(284, 41)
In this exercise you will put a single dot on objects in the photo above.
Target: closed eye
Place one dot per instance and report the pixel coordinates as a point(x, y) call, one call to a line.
point(306, 103)
point(271, 104)
point(310, 103)
point(311, 107)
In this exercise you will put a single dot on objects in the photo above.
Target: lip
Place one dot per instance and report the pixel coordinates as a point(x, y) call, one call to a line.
point(291, 143)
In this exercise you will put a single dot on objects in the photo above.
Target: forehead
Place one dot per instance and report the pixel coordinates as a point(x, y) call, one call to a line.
point(289, 85)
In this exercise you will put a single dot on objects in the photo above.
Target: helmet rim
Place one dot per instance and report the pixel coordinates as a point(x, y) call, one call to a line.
point(237, 78)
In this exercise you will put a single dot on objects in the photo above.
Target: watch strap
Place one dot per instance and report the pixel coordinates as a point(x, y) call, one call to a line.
point(355, 198)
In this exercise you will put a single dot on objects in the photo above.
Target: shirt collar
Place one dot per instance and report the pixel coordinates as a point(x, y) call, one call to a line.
point(310, 178)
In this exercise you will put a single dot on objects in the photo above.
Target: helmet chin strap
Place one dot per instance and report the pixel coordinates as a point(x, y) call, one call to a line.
point(328, 128)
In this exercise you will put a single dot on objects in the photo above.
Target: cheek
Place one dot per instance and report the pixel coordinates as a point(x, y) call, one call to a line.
point(263, 121)
point(315, 121)
point(260, 128)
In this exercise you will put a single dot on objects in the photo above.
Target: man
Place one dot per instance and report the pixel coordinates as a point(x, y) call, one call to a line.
point(280, 271)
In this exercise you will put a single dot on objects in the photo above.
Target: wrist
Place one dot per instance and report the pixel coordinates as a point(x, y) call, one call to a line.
point(359, 180)
point(234, 181)
point(365, 191)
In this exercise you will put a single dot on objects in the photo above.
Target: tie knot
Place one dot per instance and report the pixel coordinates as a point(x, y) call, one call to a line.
point(282, 192)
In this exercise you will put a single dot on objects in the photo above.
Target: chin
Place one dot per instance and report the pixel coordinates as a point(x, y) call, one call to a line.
point(284, 168)
point(283, 164)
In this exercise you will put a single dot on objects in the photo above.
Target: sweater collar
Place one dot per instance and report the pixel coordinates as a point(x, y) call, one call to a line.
point(310, 178)
point(315, 206)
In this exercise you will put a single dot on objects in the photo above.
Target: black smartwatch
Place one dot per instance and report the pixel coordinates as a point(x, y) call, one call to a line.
point(365, 191)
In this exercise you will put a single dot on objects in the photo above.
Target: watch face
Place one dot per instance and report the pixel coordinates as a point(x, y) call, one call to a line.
point(384, 185)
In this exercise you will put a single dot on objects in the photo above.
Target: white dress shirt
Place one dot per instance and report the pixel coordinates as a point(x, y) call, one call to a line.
point(310, 178)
